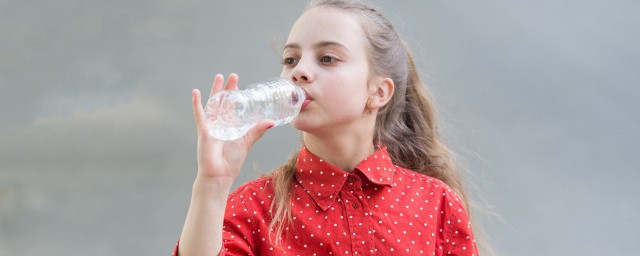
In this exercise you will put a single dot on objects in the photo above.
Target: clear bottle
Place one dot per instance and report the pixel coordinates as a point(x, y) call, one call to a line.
point(231, 113)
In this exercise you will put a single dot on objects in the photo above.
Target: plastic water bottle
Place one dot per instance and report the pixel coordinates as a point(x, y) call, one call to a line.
point(231, 113)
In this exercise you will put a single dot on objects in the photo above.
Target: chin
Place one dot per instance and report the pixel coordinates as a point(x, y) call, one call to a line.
point(299, 124)
point(304, 125)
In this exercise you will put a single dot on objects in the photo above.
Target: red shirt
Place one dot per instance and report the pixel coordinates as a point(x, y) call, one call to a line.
point(377, 209)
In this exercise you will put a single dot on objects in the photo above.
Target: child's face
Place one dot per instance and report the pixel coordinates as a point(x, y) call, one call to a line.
point(326, 55)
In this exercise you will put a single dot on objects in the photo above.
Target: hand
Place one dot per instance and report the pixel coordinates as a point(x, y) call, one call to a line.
point(221, 161)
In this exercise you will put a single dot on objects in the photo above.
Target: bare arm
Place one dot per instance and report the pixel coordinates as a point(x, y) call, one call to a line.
point(219, 163)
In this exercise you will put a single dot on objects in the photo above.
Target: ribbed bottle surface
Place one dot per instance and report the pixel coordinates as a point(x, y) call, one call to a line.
point(230, 114)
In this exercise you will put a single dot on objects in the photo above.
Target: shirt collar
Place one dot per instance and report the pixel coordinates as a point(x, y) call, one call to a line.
point(322, 181)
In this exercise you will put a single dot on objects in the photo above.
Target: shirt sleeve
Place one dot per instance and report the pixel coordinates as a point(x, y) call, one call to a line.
point(237, 227)
point(239, 224)
point(175, 249)
point(456, 236)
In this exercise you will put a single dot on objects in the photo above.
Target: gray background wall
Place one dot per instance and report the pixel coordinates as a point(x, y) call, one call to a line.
point(97, 144)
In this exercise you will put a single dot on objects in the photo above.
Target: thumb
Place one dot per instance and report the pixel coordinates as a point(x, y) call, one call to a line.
point(257, 131)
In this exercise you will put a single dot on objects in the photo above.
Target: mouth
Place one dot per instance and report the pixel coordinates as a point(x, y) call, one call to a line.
point(307, 99)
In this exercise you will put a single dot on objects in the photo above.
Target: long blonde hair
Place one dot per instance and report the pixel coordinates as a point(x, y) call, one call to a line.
point(406, 125)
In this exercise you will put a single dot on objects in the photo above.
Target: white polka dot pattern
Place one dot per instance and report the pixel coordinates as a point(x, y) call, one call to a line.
point(376, 209)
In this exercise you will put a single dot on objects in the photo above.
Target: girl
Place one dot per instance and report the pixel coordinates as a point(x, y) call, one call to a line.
point(372, 176)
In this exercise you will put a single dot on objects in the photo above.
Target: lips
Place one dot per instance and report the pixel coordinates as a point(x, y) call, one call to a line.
point(307, 100)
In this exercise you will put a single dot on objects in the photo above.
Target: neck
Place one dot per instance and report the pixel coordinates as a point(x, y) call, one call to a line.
point(344, 151)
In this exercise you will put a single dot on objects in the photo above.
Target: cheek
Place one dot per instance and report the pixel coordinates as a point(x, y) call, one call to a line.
point(345, 97)
point(285, 73)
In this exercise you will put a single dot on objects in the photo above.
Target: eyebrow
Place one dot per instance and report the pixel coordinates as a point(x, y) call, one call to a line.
point(321, 44)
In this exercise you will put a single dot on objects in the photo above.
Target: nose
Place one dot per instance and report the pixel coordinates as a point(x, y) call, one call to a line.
point(302, 74)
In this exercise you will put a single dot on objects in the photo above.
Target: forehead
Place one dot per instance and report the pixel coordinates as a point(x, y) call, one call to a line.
point(322, 24)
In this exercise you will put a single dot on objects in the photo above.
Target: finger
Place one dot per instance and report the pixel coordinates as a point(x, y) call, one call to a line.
point(257, 132)
point(198, 112)
point(217, 84)
point(232, 82)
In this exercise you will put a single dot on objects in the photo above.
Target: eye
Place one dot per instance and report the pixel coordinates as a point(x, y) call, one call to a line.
point(327, 59)
point(289, 61)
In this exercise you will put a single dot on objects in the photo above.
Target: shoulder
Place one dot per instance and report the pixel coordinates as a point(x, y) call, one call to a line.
point(261, 187)
point(251, 200)
point(435, 188)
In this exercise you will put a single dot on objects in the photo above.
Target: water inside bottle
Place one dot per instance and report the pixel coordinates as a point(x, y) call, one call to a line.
point(231, 114)
point(227, 116)
point(285, 108)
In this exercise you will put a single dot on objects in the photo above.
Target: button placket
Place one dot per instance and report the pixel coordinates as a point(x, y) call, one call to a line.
point(355, 189)
point(359, 223)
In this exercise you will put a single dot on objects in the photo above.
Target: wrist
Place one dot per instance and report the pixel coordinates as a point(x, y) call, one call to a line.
point(217, 189)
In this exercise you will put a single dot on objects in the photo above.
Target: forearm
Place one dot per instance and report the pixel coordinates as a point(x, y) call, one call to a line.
point(202, 232)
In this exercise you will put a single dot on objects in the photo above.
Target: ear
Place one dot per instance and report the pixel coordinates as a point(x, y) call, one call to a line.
point(381, 92)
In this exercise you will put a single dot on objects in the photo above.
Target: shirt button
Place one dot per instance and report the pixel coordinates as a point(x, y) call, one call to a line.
point(351, 180)
point(355, 205)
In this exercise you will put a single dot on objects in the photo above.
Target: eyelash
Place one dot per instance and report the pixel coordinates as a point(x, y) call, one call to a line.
point(288, 60)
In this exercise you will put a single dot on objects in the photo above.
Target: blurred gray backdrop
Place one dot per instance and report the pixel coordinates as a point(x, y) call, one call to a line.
point(97, 145)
